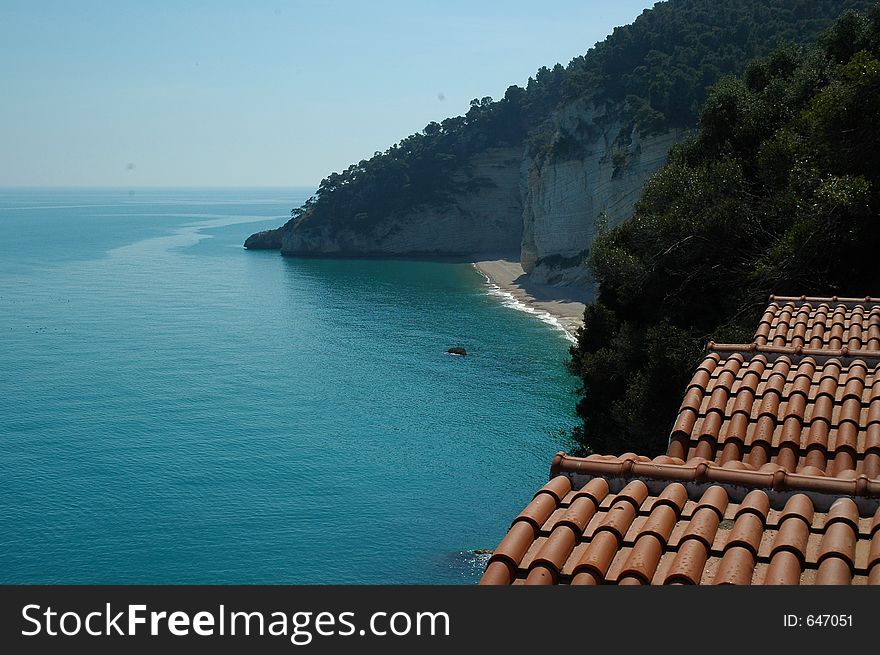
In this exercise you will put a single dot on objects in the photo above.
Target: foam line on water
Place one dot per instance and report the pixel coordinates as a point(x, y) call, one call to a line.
point(509, 300)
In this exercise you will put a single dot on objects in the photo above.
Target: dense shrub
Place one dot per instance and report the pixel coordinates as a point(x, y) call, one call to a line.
point(778, 192)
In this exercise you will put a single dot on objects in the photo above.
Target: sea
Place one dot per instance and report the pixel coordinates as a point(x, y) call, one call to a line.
point(177, 409)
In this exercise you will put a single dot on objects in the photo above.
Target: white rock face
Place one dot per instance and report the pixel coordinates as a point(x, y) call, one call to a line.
point(486, 219)
point(548, 210)
point(566, 201)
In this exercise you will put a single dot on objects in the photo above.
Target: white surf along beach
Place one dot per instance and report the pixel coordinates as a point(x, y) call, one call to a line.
point(562, 307)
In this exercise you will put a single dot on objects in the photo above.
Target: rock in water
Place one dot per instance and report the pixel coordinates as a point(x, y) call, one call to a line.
point(457, 350)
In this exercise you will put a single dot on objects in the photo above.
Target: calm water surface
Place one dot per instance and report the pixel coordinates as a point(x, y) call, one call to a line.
point(176, 409)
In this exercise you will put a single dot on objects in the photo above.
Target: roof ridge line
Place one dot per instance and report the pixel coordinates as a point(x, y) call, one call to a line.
point(778, 479)
point(797, 352)
point(849, 302)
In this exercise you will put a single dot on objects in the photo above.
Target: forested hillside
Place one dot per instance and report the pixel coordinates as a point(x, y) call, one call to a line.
point(778, 192)
point(654, 71)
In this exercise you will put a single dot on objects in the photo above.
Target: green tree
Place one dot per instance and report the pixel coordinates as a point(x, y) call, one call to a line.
point(778, 192)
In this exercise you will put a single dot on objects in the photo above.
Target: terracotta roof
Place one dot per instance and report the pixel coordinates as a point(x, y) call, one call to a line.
point(821, 323)
point(698, 470)
point(772, 475)
point(805, 394)
point(816, 415)
point(586, 527)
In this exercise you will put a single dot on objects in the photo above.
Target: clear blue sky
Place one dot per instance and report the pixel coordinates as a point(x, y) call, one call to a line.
point(257, 93)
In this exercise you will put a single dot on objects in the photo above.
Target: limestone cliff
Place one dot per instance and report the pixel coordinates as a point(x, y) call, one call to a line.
point(484, 216)
point(567, 199)
point(548, 208)
point(540, 170)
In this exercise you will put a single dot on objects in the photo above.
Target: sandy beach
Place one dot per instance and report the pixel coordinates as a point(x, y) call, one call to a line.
point(564, 306)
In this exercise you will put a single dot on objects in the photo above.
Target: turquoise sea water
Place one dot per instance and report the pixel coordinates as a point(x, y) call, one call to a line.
point(175, 409)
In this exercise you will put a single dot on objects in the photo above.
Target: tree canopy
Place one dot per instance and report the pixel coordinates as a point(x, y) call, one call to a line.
point(655, 71)
point(777, 192)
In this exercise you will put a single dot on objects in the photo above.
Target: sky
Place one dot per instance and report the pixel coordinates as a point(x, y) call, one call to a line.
point(254, 93)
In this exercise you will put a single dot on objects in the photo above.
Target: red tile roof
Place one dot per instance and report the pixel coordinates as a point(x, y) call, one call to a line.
point(805, 394)
point(587, 527)
point(772, 475)
point(821, 323)
point(811, 414)
point(699, 470)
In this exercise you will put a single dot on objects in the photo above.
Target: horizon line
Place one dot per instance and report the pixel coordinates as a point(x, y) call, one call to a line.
point(157, 186)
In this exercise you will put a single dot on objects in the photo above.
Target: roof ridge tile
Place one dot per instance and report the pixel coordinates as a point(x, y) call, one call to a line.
point(770, 476)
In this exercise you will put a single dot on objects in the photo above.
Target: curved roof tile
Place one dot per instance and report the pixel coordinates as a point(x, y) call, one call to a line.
point(772, 474)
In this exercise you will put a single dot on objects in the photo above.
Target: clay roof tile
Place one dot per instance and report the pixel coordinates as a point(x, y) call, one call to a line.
point(666, 459)
point(596, 489)
point(871, 464)
point(737, 567)
point(746, 532)
point(542, 575)
point(873, 561)
point(872, 437)
point(837, 549)
point(827, 385)
point(675, 495)
point(823, 409)
point(796, 412)
point(598, 556)
point(635, 492)
point(811, 470)
point(716, 498)
point(539, 510)
point(785, 569)
point(874, 572)
point(684, 425)
point(693, 399)
point(798, 506)
point(756, 502)
point(703, 374)
point(557, 487)
point(843, 510)
point(874, 407)
point(619, 518)
point(855, 382)
point(817, 433)
point(498, 572)
point(579, 513)
point(847, 435)
point(689, 562)
point(718, 399)
point(515, 544)
point(702, 527)
point(642, 561)
point(674, 533)
point(796, 406)
point(834, 571)
point(851, 411)
point(711, 426)
point(792, 536)
point(550, 559)
point(744, 400)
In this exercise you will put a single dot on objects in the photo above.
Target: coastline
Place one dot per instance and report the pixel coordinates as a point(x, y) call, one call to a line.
point(562, 307)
